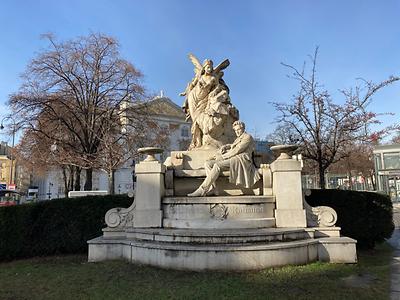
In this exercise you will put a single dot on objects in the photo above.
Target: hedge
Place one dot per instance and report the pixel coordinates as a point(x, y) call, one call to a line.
point(63, 226)
point(54, 227)
point(364, 216)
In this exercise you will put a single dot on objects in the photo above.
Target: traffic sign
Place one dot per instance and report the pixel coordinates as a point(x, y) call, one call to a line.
point(11, 187)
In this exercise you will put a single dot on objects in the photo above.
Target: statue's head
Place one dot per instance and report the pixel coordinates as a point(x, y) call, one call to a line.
point(238, 127)
point(208, 66)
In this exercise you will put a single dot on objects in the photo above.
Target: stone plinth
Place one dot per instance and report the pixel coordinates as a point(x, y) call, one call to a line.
point(219, 212)
point(286, 186)
point(150, 190)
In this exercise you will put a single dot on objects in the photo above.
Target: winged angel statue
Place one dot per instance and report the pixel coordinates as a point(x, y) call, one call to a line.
point(208, 105)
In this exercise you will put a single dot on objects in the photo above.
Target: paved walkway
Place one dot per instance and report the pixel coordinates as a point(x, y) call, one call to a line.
point(395, 242)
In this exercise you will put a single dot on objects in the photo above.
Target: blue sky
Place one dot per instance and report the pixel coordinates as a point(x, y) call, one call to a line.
point(356, 39)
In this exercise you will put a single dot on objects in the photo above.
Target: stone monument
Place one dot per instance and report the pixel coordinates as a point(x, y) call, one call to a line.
point(211, 208)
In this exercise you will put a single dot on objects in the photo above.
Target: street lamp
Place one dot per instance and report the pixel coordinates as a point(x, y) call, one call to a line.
point(12, 146)
point(49, 193)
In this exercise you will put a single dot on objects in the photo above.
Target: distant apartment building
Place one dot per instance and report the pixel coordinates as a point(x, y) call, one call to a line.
point(8, 169)
point(12, 175)
point(7, 165)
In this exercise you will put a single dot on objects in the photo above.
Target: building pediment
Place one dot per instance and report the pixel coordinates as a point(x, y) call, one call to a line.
point(165, 107)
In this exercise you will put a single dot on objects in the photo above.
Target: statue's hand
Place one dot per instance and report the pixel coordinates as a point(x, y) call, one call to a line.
point(217, 156)
point(224, 148)
point(209, 112)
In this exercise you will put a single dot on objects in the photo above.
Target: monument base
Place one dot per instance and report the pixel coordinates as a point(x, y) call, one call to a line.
point(230, 233)
point(148, 218)
point(228, 250)
point(290, 218)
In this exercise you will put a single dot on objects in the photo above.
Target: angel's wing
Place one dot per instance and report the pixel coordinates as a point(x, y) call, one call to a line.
point(222, 65)
point(196, 63)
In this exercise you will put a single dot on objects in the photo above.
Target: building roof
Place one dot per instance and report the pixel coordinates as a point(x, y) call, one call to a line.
point(387, 148)
point(163, 106)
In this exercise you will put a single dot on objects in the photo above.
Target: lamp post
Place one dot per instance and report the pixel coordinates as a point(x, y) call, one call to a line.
point(12, 145)
point(49, 193)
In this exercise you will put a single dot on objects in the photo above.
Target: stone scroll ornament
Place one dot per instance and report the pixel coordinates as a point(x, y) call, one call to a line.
point(319, 216)
point(119, 217)
point(207, 104)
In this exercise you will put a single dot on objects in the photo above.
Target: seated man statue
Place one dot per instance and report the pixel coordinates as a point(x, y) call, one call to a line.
point(237, 158)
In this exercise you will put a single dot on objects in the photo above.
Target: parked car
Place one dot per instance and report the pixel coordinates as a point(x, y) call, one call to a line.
point(7, 199)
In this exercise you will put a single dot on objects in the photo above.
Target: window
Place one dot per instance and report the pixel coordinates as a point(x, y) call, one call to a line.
point(164, 129)
point(391, 160)
point(185, 131)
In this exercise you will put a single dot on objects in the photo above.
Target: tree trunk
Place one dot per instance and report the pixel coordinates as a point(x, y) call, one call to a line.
point(111, 182)
point(371, 176)
point(71, 178)
point(350, 180)
point(77, 183)
point(321, 174)
point(66, 187)
point(89, 180)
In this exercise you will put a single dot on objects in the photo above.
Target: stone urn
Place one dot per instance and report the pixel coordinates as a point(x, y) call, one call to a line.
point(284, 151)
point(150, 152)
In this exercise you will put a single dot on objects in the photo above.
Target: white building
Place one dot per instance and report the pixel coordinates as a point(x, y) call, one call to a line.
point(166, 114)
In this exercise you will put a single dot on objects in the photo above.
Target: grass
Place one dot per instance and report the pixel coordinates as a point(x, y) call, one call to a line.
point(71, 277)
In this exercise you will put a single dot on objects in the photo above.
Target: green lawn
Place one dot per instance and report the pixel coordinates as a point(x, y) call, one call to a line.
point(71, 277)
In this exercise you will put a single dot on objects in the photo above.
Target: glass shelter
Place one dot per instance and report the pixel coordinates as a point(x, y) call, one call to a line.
point(387, 169)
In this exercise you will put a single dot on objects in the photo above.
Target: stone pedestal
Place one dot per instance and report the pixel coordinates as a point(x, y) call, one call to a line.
point(288, 192)
point(150, 190)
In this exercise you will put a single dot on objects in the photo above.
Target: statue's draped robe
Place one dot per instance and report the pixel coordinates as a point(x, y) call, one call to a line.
point(196, 103)
point(242, 169)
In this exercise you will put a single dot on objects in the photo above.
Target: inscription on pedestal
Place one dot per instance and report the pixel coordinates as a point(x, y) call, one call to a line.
point(246, 210)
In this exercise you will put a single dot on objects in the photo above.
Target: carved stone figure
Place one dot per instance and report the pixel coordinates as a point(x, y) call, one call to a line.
point(235, 157)
point(208, 105)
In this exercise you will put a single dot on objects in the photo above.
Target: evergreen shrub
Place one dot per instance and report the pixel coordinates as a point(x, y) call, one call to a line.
point(60, 226)
point(364, 216)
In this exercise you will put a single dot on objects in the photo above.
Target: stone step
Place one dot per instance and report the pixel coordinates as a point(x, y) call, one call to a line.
point(217, 223)
point(222, 236)
point(235, 257)
point(317, 232)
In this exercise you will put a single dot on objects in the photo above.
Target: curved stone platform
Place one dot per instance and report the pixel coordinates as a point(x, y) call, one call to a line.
point(224, 249)
point(241, 236)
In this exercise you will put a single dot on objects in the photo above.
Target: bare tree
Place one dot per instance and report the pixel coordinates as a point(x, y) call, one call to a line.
point(358, 162)
point(77, 87)
point(283, 134)
point(36, 153)
point(396, 138)
point(326, 129)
